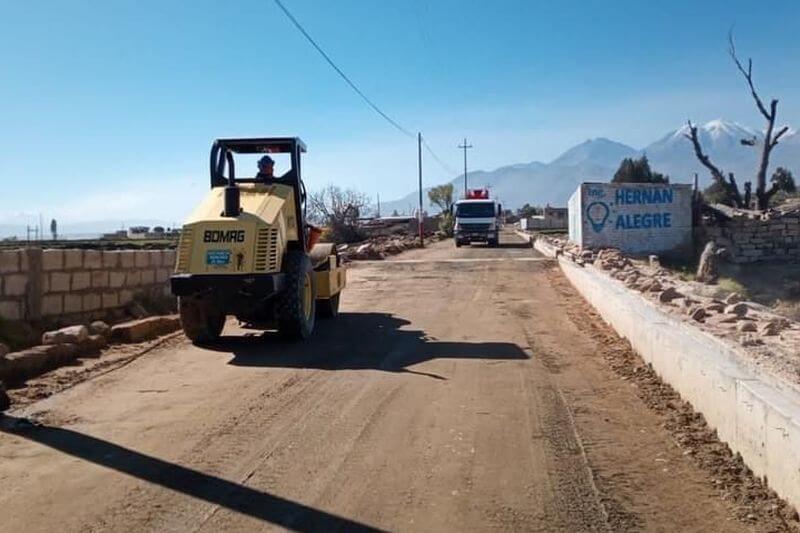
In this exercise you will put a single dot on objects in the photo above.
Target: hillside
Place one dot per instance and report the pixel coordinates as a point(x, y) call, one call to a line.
point(552, 183)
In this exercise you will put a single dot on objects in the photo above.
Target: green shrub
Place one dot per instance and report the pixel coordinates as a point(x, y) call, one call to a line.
point(446, 223)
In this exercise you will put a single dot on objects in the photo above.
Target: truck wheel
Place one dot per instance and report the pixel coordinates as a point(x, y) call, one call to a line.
point(296, 305)
point(492, 243)
point(458, 243)
point(201, 322)
point(329, 308)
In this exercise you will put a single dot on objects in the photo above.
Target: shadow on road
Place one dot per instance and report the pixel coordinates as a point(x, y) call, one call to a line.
point(502, 244)
point(239, 498)
point(360, 341)
point(525, 245)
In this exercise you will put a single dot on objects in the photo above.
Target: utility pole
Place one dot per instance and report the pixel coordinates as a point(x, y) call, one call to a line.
point(379, 205)
point(465, 147)
point(420, 217)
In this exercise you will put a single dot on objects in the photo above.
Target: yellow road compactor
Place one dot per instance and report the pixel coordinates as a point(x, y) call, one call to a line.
point(248, 251)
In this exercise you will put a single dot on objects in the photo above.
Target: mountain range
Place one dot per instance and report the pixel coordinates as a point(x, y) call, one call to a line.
point(552, 183)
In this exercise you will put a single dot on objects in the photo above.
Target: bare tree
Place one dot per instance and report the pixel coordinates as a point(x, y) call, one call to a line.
point(771, 136)
point(733, 196)
point(338, 209)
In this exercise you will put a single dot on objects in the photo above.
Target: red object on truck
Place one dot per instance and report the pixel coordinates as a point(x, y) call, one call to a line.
point(477, 194)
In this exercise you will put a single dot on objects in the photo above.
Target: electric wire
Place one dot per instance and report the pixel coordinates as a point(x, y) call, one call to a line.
point(358, 91)
point(352, 85)
point(447, 168)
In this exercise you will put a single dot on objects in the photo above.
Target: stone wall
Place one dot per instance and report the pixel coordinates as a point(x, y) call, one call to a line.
point(38, 284)
point(750, 236)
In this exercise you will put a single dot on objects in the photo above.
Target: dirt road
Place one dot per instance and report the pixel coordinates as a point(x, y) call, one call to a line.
point(454, 393)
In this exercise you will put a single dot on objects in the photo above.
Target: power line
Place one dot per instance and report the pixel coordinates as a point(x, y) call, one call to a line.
point(447, 168)
point(352, 85)
point(358, 91)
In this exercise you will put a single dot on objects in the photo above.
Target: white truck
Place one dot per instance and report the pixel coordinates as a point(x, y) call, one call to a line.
point(477, 219)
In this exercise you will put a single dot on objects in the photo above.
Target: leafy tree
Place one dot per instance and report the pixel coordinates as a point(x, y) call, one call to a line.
point(446, 223)
point(721, 192)
point(442, 197)
point(54, 229)
point(637, 171)
point(783, 180)
point(529, 210)
point(717, 193)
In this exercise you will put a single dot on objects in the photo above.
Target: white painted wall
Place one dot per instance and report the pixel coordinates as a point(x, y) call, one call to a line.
point(636, 218)
point(575, 208)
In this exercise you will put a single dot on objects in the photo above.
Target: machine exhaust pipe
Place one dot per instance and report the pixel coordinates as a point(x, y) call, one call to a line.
point(233, 205)
point(232, 198)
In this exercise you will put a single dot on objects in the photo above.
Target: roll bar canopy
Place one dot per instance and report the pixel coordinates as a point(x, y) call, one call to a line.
point(222, 156)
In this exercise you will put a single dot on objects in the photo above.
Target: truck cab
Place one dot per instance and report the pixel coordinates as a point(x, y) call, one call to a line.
point(477, 219)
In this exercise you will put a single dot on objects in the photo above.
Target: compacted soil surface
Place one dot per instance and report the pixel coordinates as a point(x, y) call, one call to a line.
point(460, 389)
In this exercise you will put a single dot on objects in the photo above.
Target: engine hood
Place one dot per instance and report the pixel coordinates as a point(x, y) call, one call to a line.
point(258, 200)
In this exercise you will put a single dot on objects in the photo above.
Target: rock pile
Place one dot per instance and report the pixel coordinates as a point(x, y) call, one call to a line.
point(751, 321)
point(63, 346)
point(377, 248)
point(88, 340)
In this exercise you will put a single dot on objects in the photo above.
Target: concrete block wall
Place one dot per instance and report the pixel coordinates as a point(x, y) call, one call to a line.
point(40, 284)
point(751, 238)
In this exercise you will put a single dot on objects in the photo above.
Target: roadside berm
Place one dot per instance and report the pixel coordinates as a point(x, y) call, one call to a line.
point(734, 361)
point(69, 345)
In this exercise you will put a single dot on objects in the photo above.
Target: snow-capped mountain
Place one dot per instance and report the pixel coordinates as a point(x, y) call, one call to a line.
point(722, 141)
point(597, 159)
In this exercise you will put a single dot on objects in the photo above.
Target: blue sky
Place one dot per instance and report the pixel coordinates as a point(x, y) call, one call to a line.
point(109, 108)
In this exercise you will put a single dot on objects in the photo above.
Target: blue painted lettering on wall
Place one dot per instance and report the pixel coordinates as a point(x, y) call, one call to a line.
point(596, 193)
point(643, 196)
point(644, 221)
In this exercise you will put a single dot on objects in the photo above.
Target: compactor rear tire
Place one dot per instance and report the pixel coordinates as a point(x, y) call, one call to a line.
point(296, 305)
point(201, 322)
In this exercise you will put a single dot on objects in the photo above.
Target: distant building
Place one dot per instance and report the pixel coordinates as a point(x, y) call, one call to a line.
point(115, 236)
point(138, 232)
point(553, 218)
